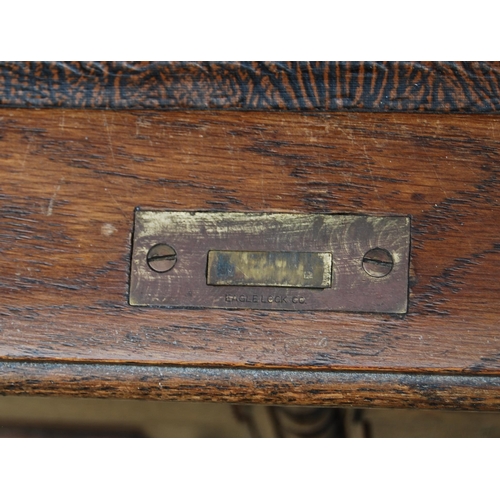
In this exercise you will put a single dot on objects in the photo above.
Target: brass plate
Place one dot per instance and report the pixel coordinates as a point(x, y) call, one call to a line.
point(368, 257)
point(283, 269)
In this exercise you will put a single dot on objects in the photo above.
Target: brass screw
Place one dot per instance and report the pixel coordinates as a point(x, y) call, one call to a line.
point(161, 258)
point(378, 262)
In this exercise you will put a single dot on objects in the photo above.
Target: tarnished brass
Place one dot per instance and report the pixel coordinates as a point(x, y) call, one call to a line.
point(268, 261)
point(282, 269)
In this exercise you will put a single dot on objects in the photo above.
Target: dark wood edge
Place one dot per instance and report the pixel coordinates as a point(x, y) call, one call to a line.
point(467, 87)
point(360, 389)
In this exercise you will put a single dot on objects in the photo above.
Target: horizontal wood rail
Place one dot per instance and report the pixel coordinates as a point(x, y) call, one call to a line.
point(465, 87)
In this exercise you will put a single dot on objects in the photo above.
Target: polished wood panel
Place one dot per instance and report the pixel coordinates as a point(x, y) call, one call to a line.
point(71, 179)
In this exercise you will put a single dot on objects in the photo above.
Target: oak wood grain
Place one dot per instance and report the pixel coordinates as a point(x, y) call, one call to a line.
point(465, 87)
point(251, 385)
point(71, 179)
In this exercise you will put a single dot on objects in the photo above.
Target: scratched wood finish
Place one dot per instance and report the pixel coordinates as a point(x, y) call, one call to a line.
point(471, 87)
point(251, 385)
point(70, 181)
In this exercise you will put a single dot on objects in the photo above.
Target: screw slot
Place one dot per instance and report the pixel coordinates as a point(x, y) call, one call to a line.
point(378, 262)
point(161, 258)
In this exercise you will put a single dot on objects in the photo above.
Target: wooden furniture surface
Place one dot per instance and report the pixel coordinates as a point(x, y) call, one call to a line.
point(83, 145)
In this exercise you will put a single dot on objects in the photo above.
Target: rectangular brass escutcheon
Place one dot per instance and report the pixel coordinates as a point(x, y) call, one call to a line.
point(270, 261)
point(281, 269)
